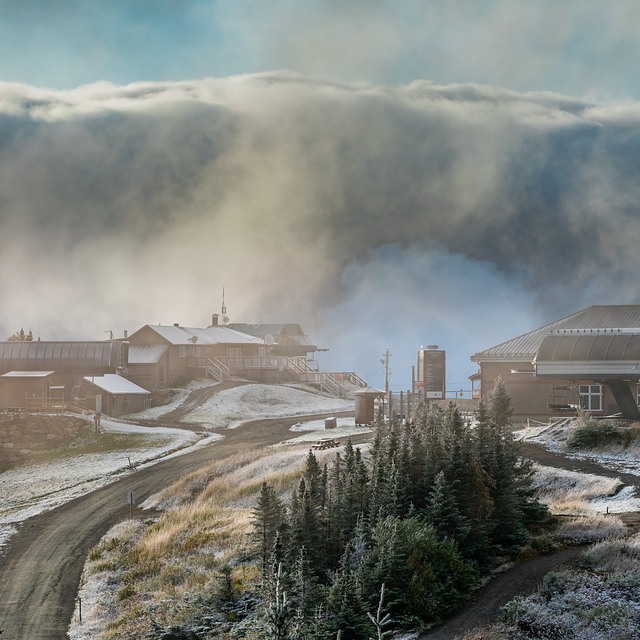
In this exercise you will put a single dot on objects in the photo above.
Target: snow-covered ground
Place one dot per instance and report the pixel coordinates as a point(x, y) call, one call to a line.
point(27, 490)
point(233, 407)
point(33, 488)
point(554, 436)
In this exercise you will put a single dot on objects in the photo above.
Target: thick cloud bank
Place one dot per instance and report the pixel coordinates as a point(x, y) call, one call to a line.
point(377, 216)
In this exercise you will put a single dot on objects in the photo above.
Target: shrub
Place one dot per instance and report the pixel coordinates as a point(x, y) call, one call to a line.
point(592, 434)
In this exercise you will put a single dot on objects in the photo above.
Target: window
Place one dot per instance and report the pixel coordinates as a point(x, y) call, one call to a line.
point(590, 396)
point(234, 352)
point(182, 351)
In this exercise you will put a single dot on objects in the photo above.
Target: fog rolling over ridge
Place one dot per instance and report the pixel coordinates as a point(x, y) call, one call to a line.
point(376, 216)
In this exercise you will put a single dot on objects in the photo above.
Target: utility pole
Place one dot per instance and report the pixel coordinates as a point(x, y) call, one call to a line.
point(384, 361)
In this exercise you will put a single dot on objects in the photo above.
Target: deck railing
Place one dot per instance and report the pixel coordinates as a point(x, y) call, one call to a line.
point(223, 367)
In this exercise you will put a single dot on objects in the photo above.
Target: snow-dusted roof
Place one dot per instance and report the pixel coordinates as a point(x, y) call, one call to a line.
point(209, 336)
point(27, 374)
point(525, 347)
point(282, 334)
point(146, 353)
point(114, 384)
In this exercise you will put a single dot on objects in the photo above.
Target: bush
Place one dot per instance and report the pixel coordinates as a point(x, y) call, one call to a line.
point(592, 434)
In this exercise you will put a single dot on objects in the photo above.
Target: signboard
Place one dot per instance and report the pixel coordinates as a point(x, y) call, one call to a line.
point(99, 403)
point(434, 373)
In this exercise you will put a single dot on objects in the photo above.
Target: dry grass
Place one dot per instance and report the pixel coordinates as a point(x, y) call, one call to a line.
point(206, 524)
point(569, 493)
point(616, 555)
point(593, 528)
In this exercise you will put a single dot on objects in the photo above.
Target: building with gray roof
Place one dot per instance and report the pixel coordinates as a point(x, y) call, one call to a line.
point(589, 359)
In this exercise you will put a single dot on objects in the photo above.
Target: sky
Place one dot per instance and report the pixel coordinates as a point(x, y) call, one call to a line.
point(387, 174)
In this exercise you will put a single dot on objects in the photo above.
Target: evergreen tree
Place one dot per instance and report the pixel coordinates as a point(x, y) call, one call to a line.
point(268, 519)
point(279, 612)
point(346, 608)
point(21, 336)
point(443, 512)
point(427, 579)
point(510, 476)
point(313, 480)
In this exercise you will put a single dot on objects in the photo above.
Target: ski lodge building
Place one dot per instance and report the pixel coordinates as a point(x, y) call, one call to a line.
point(590, 359)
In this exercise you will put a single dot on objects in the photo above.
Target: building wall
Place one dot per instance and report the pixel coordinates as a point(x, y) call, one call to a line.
point(530, 395)
point(112, 404)
point(120, 405)
point(15, 392)
point(180, 362)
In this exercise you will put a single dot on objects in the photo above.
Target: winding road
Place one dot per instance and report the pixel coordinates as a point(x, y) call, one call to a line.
point(41, 568)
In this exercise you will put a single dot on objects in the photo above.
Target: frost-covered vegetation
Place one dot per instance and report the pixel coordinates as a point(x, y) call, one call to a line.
point(589, 433)
point(430, 507)
point(600, 600)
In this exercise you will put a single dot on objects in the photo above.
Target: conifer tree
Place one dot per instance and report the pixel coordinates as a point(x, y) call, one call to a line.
point(268, 519)
point(508, 531)
point(443, 512)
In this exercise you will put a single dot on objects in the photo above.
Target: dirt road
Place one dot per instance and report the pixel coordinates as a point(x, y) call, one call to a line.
point(41, 568)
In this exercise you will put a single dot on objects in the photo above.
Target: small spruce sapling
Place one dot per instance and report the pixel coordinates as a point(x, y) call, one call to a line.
point(381, 620)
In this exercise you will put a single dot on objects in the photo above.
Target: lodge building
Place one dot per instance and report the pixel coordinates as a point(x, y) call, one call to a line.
point(589, 359)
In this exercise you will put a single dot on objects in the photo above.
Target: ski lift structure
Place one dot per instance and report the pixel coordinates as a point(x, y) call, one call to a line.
point(562, 399)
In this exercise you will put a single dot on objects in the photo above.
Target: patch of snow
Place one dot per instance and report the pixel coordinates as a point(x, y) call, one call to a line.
point(624, 501)
point(35, 488)
point(554, 436)
point(181, 394)
point(95, 604)
point(234, 407)
point(600, 493)
point(314, 430)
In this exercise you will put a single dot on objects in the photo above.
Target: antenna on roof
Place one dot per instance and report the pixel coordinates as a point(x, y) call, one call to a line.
point(225, 319)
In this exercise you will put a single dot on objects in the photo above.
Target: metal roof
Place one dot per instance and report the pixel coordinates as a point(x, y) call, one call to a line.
point(525, 346)
point(290, 334)
point(572, 347)
point(611, 355)
point(116, 385)
point(209, 336)
point(73, 357)
point(146, 353)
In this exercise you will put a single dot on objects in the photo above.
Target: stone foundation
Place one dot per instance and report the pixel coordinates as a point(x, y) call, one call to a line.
point(22, 433)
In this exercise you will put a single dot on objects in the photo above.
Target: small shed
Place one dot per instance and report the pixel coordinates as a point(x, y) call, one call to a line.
point(25, 389)
point(366, 401)
point(119, 395)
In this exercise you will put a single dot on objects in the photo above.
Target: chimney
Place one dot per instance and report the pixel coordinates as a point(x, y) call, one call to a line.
point(126, 334)
point(214, 320)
